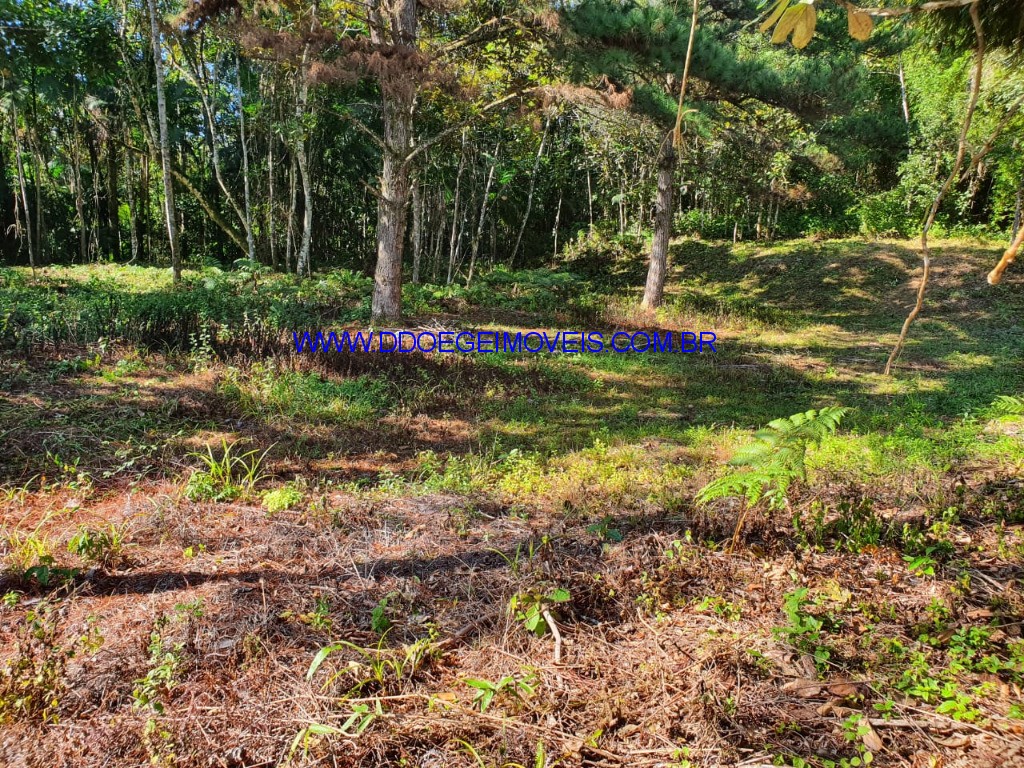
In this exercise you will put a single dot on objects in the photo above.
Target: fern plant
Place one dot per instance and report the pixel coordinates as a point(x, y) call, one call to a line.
point(1008, 405)
point(773, 461)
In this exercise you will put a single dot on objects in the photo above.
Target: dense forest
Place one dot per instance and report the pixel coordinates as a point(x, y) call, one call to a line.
point(705, 443)
point(307, 136)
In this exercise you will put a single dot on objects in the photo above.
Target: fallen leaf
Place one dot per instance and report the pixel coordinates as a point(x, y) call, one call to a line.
point(870, 737)
point(843, 690)
point(955, 742)
point(803, 687)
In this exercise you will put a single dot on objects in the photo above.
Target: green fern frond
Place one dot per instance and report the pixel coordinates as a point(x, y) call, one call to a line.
point(774, 459)
point(1008, 405)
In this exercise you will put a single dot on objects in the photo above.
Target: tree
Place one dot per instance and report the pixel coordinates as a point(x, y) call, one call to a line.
point(165, 147)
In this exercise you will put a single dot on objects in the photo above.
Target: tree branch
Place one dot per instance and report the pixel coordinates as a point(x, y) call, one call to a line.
point(972, 102)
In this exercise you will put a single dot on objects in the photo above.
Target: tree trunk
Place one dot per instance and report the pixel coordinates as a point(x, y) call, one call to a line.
point(533, 187)
point(270, 201)
point(165, 146)
point(903, 92)
point(289, 244)
point(655, 287)
point(250, 242)
point(302, 263)
point(23, 187)
point(133, 211)
point(453, 240)
point(475, 249)
point(417, 231)
point(398, 95)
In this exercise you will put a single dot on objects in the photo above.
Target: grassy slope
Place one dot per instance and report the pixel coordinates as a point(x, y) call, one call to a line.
point(443, 486)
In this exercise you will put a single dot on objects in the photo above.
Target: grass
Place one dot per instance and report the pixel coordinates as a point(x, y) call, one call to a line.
point(366, 521)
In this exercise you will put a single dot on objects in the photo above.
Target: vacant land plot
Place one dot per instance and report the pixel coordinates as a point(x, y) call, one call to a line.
point(220, 553)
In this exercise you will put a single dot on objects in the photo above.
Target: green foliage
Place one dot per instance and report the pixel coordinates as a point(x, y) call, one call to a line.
point(162, 676)
point(105, 546)
point(804, 629)
point(775, 458)
point(486, 691)
point(32, 680)
point(226, 477)
point(286, 497)
point(885, 214)
point(530, 607)
point(1008, 405)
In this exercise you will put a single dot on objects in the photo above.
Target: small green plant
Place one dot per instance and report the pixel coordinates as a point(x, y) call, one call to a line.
point(104, 547)
point(162, 676)
point(486, 691)
point(320, 617)
point(720, 606)
point(227, 477)
point(30, 557)
point(533, 608)
point(381, 669)
point(281, 499)
point(604, 532)
point(362, 715)
point(773, 461)
point(922, 565)
point(379, 621)
point(32, 680)
point(803, 629)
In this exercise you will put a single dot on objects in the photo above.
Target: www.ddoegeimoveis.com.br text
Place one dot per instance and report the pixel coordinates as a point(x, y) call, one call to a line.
point(562, 342)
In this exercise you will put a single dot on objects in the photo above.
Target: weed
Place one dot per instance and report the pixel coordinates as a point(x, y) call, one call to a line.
point(227, 477)
point(486, 691)
point(720, 606)
point(320, 617)
point(162, 676)
point(32, 681)
point(775, 459)
point(534, 608)
point(804, 630)
point(379, 621)
point(280, 499)
point(385, 670)
point(105, 547)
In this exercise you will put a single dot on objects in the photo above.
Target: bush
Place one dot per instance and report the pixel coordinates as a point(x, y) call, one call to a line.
point(884, 214)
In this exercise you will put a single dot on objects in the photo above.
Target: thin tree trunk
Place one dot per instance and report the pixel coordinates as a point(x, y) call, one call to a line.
point(533, 187)
point(654, 289)
point(23, 187)
point(289, 245)
point(165, 147)
point(475, 248)
point(417, 230)
point(132, 209)
point(972, 102)
point(249, 241)
point(903, 91)
point(590, 200)
point(554, 231)
point(94, 166)
point(270, 201)
point(453, 240)
point(302, 264)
